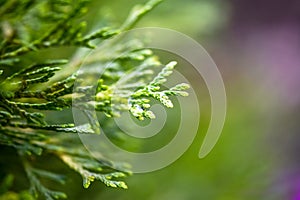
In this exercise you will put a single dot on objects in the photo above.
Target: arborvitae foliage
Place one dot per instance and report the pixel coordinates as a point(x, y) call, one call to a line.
point(29, 87)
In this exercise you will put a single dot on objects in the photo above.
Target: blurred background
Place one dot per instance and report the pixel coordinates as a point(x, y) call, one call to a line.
point(256, 46)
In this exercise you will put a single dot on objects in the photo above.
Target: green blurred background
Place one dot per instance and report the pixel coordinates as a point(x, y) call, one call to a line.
point(256, 46)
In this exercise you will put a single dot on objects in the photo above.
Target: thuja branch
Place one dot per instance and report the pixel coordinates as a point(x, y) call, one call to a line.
point(28, 91)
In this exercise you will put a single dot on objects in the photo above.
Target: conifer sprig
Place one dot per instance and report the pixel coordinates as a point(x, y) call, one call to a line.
point(28, 91)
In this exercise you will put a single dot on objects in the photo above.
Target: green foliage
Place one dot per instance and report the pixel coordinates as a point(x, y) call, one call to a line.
point(140, 105)
point(27, 91)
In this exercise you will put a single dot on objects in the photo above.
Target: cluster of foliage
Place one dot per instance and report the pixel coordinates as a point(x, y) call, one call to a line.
point(28, 91)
